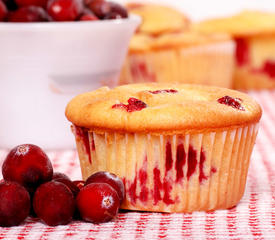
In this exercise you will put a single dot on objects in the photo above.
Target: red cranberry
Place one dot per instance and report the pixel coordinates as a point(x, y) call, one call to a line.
point(106, 9)
point(28, 14)
point(133, 105)
point(28, 165)
point(232, 102)
point(64, 10)
point(79, 183)
point(112, 15)
point(242, 52)
point(54, 203)
point(10, 4)
point(120, 105)
point(164, 91)
point(269, 68)
point(3, 11)
point(14, 203)
point(88, 15)
point(119, 10)
point(97, 202)
point(99, 7)
point(39, 3)
point(74, 189)
point(57, 175)
point(109, 178)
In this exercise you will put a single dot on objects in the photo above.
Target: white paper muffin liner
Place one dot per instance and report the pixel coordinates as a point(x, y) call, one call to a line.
point(209, 64)
point(172, 173)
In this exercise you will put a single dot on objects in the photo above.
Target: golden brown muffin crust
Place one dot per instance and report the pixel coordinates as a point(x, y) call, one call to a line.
point(164, 27)
point(246, 23)
point(158, 19)
point(193, 108)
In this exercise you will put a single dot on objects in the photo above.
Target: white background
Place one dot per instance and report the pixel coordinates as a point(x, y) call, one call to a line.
point(201, 9)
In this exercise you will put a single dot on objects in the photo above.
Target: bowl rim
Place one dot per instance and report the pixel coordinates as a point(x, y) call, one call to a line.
point(21, 26)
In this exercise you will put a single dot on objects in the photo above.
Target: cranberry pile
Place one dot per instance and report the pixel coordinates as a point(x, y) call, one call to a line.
point(31, 187)
point(59, 10)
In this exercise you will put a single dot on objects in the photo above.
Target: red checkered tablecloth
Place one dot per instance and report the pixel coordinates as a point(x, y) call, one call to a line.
point(253, 218)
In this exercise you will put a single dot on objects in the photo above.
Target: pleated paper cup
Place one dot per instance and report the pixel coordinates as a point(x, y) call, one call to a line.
point(209, 64)
point(172, 173)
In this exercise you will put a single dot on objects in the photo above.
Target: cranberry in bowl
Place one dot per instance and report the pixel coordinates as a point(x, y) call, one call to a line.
point(47, 62)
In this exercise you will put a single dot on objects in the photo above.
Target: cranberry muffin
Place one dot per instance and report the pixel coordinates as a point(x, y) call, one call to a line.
point(167, 50)
point(254, 34)
point(177, 147)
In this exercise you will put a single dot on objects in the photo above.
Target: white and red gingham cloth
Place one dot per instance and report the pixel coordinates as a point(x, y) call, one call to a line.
point(253, 218)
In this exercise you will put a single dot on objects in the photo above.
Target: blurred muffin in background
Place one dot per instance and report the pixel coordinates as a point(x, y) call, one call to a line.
point(254, 34)
point(158, 19)
point(164, 49)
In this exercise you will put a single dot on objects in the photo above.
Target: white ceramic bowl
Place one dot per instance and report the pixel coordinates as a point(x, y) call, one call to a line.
point(43, 65)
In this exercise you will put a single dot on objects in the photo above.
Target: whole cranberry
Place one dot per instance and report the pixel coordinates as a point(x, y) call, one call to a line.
point(98, 202)
point(106, 9)
point(64, 10)
point(79, 183)
point(28, 14)
point(28, 165)
point(88, 15)
point(39, 3)
point(3, 11)
point(99, 7)
point(54, 203)
point(112, 15)
point(14, 203)
point(74, 189)
point(109, 178)
point(118, 9)
point(10, 4)
point(63, 178)
point(57, 175)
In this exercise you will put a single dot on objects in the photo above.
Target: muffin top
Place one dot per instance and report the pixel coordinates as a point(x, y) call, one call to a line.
point(246, 23)
point(157, 19)
point(164, 27)
point(162, 108)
